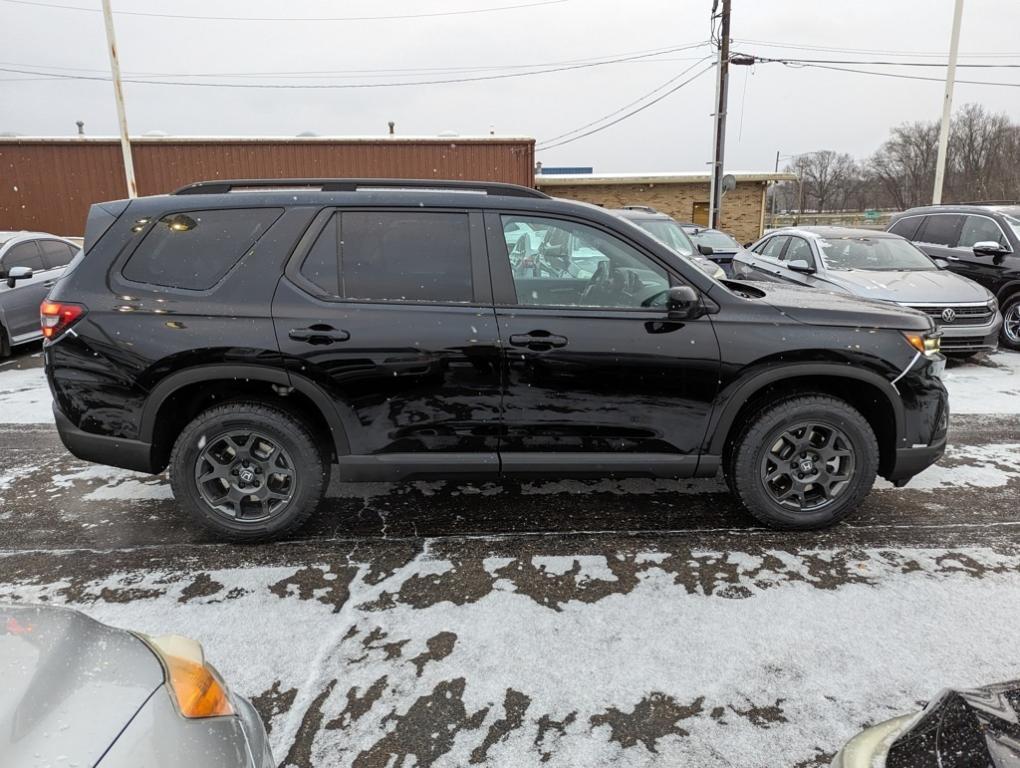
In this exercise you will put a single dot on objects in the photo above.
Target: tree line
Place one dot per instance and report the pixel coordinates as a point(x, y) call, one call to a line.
point(983, 163)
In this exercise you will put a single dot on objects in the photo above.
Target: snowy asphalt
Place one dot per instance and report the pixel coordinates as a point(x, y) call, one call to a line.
point(637, 622)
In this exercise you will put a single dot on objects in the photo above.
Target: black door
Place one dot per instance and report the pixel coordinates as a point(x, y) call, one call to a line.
point(597, 378)
point(389, 311)
point(985, 268)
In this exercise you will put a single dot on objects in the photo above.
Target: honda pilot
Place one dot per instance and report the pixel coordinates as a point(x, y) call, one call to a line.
point(254, 336)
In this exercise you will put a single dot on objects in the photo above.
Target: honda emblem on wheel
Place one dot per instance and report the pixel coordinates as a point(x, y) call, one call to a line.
point(948, 315)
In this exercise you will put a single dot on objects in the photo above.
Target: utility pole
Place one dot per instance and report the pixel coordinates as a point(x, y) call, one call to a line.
point(947, 105)
point(775, 188)
point(721, 86)
point(118, 93)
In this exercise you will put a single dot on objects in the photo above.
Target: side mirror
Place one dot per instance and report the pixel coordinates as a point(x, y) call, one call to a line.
point(682, 303)
point(705, 250)
point(18, 273)
point(800, 265)
point(989, 248)
point(940, 263)
point(749, 243)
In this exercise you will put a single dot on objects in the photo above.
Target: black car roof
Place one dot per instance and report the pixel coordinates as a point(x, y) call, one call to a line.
point(1004, 206)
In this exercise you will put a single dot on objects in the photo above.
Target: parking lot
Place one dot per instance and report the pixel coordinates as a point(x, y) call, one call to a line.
point(637, 622)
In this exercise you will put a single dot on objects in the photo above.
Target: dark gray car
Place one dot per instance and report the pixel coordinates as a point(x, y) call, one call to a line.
point(77, 692)
point(30, 263)
point(881, 266)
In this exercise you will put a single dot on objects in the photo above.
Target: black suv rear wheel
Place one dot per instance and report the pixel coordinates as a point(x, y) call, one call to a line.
point(247, 471)
point(804, 463)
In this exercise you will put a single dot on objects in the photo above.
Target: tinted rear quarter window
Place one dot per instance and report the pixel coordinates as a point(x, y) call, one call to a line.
point(393, 256)
point(906, 227)
point(940, 229)
point(195, 249)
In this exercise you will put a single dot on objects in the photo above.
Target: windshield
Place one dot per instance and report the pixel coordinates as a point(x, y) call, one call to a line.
point(669, 232)
point(718, 241)
point(880, 253)
point(1013, 222)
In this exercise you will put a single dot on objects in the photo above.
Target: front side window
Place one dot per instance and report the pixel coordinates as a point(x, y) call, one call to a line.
point(874, 253)
point(799, 250)
point(906, 227)
point(980, 229)
point(23, 255)
point(393, 256)
point(574, 265)
point(941, 229)
point(194, 250)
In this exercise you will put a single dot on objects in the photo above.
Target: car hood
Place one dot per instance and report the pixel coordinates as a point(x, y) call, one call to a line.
point(70, 685)
point(975, 726)
point(816, 307)
point(916, 287)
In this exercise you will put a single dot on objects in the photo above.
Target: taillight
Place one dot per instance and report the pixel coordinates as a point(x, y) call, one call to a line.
point(55, 317)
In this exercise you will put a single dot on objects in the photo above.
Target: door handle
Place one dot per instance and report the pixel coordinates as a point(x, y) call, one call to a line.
point(49, 283)
point(538, 340)
point(319, 334)
point(952, 258)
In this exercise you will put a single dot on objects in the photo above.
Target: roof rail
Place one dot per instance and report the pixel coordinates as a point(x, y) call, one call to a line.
point(353, 185)
point(987, 202)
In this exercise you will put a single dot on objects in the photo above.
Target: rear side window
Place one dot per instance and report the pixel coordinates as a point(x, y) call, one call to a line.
point(195, 249)
point(941, 229)
point(906, 227)
point(23, 255)
point(393, 256)
point(56, 253)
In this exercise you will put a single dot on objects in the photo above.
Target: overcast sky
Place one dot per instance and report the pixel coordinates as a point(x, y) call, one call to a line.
point(772, 107)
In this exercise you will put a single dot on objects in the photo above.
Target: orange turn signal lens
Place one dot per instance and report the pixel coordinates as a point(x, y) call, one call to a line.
point(926, 345)
point(198, 691)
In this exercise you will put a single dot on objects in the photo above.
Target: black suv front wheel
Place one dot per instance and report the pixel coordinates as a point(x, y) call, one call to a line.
point(804, 463)
point(1010, 335)
point(247, 471)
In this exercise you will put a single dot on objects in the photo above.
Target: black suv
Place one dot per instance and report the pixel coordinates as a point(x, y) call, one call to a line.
point(250, 334)
point(980, 241)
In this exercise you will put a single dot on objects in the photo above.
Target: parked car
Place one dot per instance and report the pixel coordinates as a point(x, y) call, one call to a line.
point(78, 692)
point(966, 728)
point(249, 337)
point(671, 233)
point(980, 242)
point(720, 246)
point(30, 263)
point(882, 266)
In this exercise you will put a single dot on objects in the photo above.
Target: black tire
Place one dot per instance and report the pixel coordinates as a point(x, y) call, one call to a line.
point(755, 458)
point(296, 468)
point(1009, 336)
point(5, 346)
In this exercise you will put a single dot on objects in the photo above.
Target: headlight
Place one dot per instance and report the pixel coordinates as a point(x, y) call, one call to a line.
point(993, 305)
point(929, 344)
point(197, 688)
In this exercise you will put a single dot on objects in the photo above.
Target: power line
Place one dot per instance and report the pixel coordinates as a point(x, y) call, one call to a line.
point(321, 86)
point(766, 59)
point(803, 63)
point(273, 18)
point(381, 72)
point(620, 119)
point(630, 104)
point(883, 51)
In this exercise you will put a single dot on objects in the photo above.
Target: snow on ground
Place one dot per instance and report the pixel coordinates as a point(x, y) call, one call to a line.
point(25, 397)
point(715, 659)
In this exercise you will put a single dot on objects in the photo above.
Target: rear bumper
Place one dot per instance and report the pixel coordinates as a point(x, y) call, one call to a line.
point(102, 449)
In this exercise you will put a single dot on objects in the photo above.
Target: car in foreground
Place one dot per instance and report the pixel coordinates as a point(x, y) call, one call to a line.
point(30, 263)
point(979, 241)
point(672, 234)
point(959, 728)
point(719, 245)
point(252, 334)
point(881, 266)
point(78, 692)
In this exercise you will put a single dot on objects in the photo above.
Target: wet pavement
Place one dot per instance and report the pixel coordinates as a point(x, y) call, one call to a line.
point(635, 622)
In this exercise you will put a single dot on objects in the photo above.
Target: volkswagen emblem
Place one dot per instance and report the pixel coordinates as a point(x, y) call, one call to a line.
point(948, 315)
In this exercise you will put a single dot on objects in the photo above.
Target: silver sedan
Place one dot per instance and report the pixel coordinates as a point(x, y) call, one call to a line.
point(77, 692)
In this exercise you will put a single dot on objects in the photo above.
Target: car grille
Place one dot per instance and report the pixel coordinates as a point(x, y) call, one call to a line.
point(980, 314)
point(962, 343)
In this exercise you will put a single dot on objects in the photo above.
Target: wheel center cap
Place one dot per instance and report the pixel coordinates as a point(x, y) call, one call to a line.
point(807, 466)
point(246, 475)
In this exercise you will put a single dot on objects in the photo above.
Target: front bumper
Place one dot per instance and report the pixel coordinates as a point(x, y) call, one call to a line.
point(913, 461)
point(869, 747)
point(254, 733)
point(103, 449)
